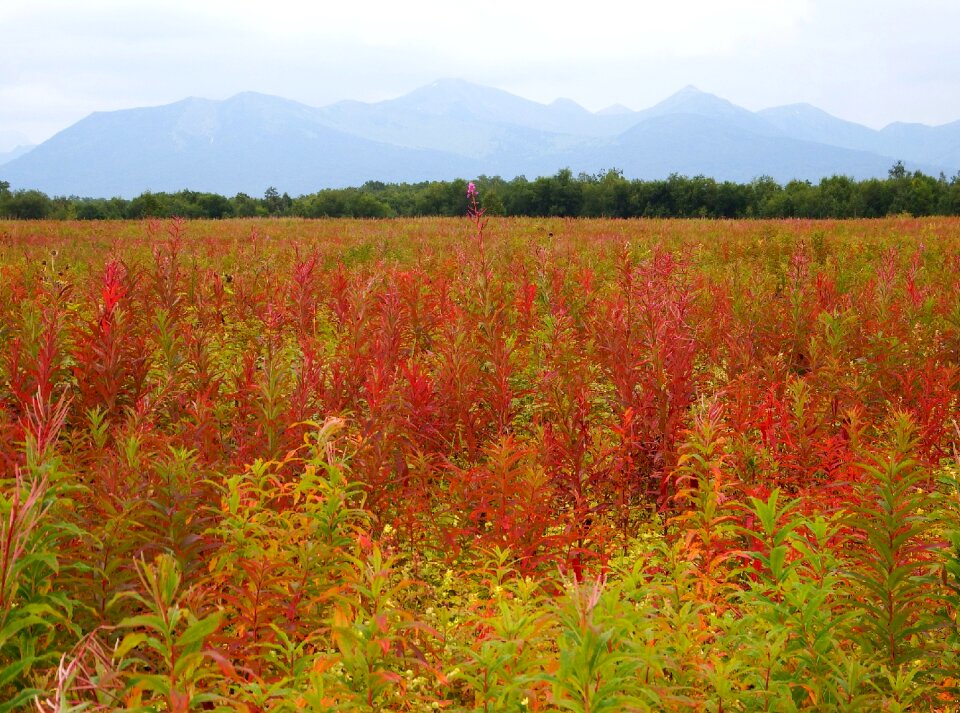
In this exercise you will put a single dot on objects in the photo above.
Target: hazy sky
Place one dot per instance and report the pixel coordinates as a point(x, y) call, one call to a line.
point(871, 61)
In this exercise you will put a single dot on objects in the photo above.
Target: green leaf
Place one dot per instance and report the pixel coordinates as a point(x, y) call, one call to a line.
point(17, 625)
point(148, 621)
point(11, 672)
point(152, 682)
point(778, 556)
point(198, 631)
point(129, 642)
point(186, 662)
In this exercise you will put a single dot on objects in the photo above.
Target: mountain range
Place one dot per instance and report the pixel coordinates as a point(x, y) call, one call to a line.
point(450, 129)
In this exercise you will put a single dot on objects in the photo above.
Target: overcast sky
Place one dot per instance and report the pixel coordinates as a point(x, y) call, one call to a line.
point(871, 61)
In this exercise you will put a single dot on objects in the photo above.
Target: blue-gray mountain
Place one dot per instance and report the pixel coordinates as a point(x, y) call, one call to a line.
point(15, 152)
point(450, 129)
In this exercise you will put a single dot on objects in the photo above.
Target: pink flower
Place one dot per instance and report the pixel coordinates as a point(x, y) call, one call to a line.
point(471, 190)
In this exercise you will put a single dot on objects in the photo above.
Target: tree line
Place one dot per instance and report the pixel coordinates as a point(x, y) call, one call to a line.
point(606, 194)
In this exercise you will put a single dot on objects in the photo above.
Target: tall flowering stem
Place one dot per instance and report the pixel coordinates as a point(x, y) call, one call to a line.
point(476, 214)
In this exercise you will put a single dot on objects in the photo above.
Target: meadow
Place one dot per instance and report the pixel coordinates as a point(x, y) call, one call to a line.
point(445, 464)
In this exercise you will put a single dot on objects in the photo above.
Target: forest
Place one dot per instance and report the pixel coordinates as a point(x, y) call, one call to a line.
point(605, 195)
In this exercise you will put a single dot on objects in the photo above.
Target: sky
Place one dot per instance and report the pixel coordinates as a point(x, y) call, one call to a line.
point(869, 61)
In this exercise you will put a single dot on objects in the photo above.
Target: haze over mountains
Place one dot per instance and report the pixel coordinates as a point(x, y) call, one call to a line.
point(452, 129)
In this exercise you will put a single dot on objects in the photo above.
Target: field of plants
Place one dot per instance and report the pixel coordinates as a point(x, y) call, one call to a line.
point(438, 464)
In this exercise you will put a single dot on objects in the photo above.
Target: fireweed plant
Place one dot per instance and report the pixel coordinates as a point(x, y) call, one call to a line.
point(436, 464)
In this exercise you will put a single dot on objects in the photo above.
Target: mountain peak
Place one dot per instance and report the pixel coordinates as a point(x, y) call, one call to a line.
point(691, 100)
point(247, 95)
point(567, 105)
point(449, 87)
point(690, 95)
point(261, 100)
point(810, 123)
point(694, 102)
point(441, 95)
point(615, 110)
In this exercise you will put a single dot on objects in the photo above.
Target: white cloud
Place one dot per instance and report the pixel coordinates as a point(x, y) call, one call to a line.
point(512, 30)
point(890, 60)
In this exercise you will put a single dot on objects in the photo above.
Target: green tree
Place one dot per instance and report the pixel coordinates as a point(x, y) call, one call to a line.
point(28, 205)
point(765, 190)
point(876, 197)
point(4, 197)
point(837, 197)
point(213, 205)
point(146, 205)
point(244, 206)
point(366, 205)
point(733, 200)
point(272, 201)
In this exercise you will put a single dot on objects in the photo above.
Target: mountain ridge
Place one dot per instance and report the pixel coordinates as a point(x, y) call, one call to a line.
point(453, 128)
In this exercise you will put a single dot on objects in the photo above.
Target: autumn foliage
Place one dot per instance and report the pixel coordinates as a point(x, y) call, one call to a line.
point(463, 465)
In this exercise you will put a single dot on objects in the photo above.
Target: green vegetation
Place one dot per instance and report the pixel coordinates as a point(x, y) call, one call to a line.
point(608, 195)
